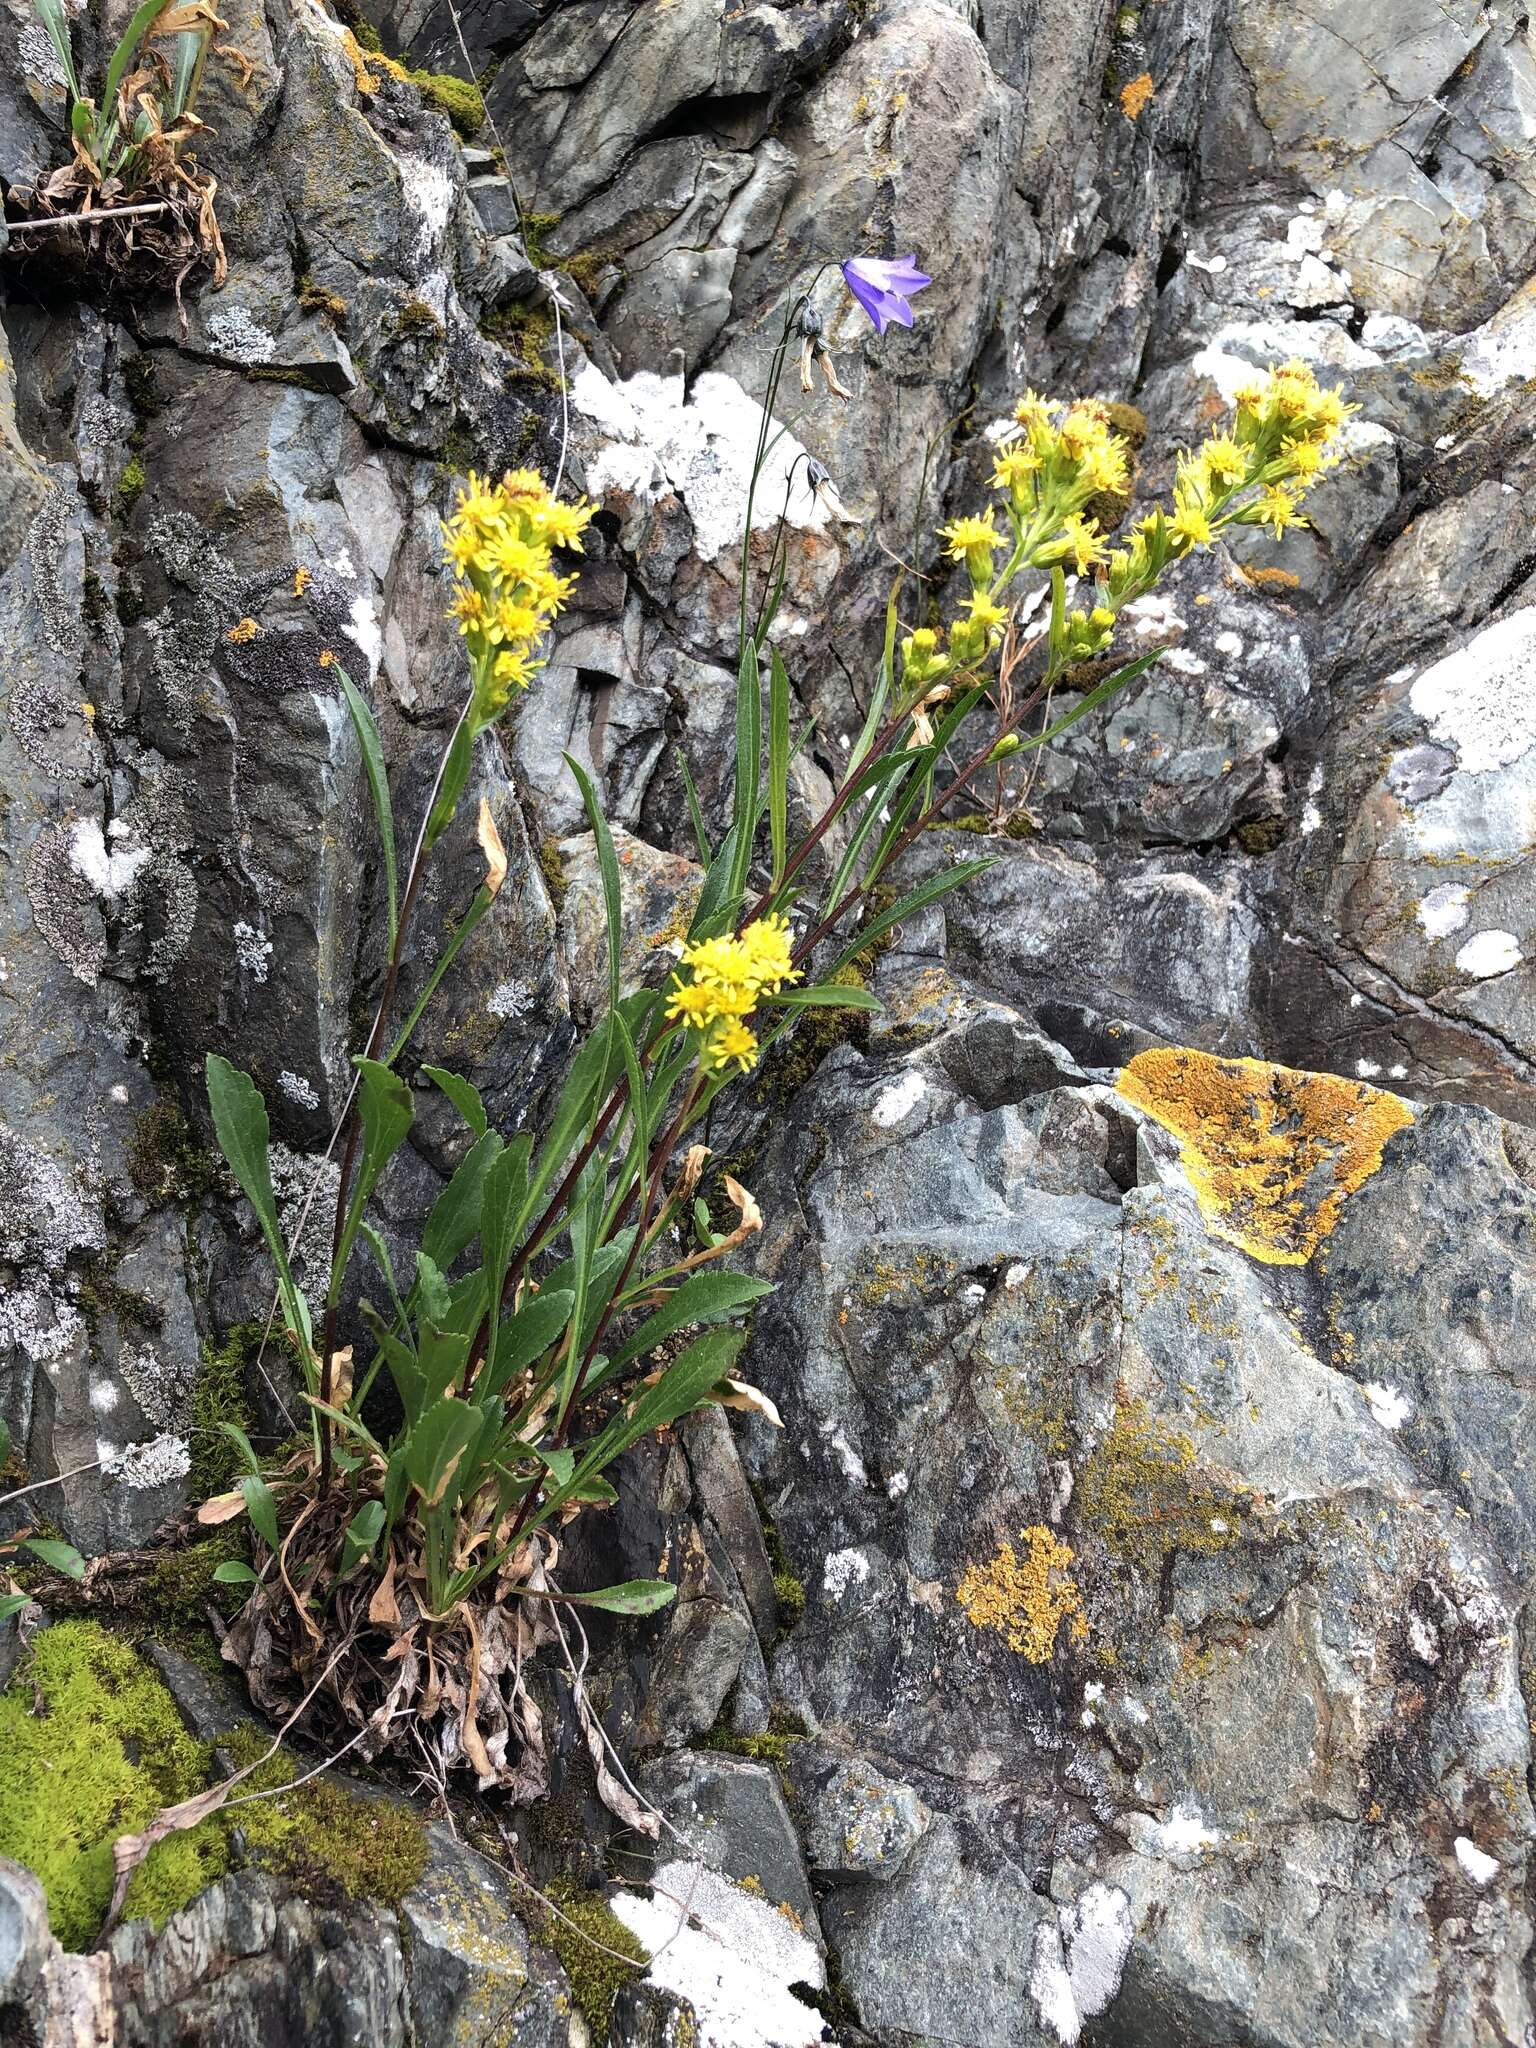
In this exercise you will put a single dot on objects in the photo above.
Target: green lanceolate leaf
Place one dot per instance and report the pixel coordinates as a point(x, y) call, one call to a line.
point(437, 1443)
point(825, 997)
point(778, 761)
point(378, 784)
point(749, 747)
point(928, 892)
point(362, 1533)
point(60, 1557)
point(241, 1127)
point(1092, 699)
point(242, 1444)
point(262, 1509)
point(13, 1603)
point(455, 1217)
point(687, 1381)
point(526, 1336)
point(634, 1596)
point(608, 869)
point(233, 1573)
point(695, 814)
point(451, 788)
point(583, 1085)
point(464, 1096)
point(57, 24)
point(501, 1201)
point(385, 1107)
point(5, 1440)
point(701, 1298)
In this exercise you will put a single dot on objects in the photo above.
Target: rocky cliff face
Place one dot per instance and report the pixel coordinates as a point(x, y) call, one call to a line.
point(1272, 1787)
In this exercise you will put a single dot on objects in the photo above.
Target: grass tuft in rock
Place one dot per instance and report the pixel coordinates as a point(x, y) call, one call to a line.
point(91, 1746)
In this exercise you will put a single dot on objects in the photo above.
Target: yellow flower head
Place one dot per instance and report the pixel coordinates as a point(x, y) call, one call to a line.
point(1032, 410)
point(1190, 526)
point(917, 654)
point(990, 617)
point(1016, 464)
point(731, 1043)
point(1085, 427)
point(1275, 506)
point(765, 953)
point(1084, 543)
point(563, 525)
point(693, 1003)
point(973, 541)
point(1222, 462)
point(1105, 465)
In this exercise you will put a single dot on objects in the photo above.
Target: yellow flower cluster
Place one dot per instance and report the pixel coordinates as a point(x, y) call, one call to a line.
point(1054, 463)
point(499, 543)
point(729, 976)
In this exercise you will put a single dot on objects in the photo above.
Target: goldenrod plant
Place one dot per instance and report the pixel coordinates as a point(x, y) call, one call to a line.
point(570, 1294)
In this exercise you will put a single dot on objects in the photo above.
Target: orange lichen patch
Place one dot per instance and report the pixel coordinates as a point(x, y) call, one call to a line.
point(1134, 97)
point(243, 631)
point(1272, 1153)
point(1264, 578)
point(1026, 1599)
point(361, 60)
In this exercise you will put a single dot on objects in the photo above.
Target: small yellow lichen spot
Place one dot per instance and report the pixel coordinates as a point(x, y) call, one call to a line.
point(327, 658)
point(88, 712)
point(242, 631)
point(1272, 1152)
point(1134, 97)
point(300, 581)
point(1026, 1599)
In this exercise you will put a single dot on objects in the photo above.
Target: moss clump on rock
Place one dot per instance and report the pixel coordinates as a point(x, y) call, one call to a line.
point(597, 1952)
point(219, 1396)
point(91, 1747)
point(815, 1033)
point(332, 1842)
point(167, 1161)
point(130, 485)
point(459, 98)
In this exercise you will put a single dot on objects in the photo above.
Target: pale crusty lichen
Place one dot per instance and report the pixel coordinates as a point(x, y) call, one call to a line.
point(1271, 1152)
point(1025, 1599)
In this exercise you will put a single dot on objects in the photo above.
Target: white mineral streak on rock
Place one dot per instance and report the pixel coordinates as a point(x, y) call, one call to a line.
point(897, 1102)
point(1076, 1966)
point(1390, 1408)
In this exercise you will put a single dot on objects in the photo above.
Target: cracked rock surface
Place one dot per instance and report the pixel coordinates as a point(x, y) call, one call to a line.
point(1043, 1381)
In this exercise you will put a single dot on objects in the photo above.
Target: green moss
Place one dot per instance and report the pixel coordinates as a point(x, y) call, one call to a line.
point(130, 485)
point(220, 1396)
point(331, 306)
point(330, 1841)
point(524, 332)
point(980, 822)
point(552, 867)
point(167, 1161)
point(596, 1977)
point(772, 1748)
point(537, 227)
point(1263, 835)
point(789, 1589)
point(586, 269)
point(101, 1294)
point(813, 1035)
point(1139, 1496)
point(417, 319)
point(143, 391)
point(1129, 421)
point(458, 98)
point(91, 1746)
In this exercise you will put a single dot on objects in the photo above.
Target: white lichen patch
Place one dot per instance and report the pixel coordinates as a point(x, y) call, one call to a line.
point(1477, 1863)
point(1482, 700)
point(234, 334)
point(654, 437)
point(897, 1102)
point(110, 872)
point(1443, 910)
point(843, 1570)
point(510, 1000)
point(157, 1463)
point(363, 630)
point(253, 951)
point(1487, 954)
point(1183, 1833)
point(733, 1956)
point(1390, 1408)
point(298, 1091)
point(1076, 1966)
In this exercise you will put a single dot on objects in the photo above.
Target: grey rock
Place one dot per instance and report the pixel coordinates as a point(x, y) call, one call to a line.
point(860, 1822)
point(24, 1937)
point(646, 2016)
point(731, 1816)
point(472, 1973)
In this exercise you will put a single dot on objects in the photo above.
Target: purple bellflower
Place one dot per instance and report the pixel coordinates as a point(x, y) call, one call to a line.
point(884, 289)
